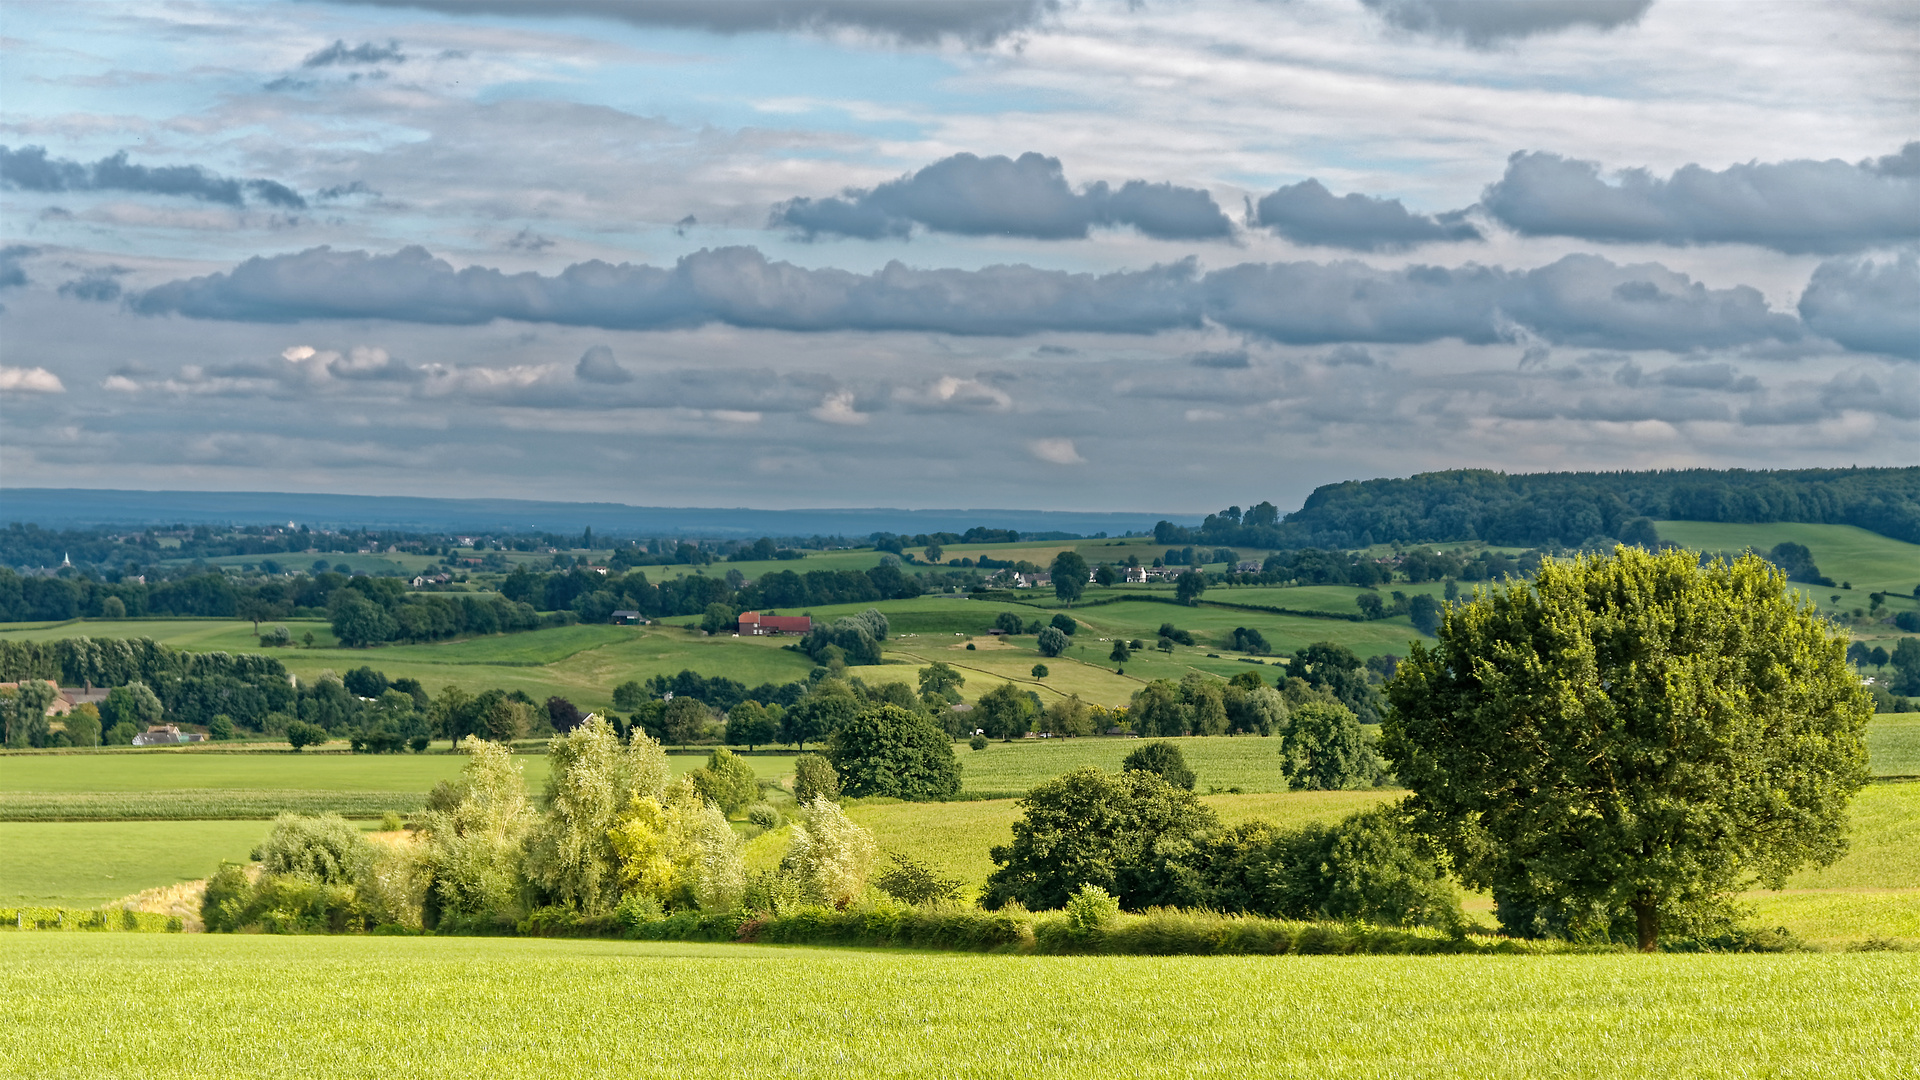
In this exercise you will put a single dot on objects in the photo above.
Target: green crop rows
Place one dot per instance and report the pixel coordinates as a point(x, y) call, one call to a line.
point(201, 804)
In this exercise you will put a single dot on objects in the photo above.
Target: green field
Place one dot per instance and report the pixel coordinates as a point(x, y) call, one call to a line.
point(1869, 561)
point(1893, 744)
point(1247, 762)
point(166, 770)
point(86, 863)
point(432, 1007)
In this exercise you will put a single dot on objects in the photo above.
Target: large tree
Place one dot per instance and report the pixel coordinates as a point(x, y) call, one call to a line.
point(1069, 574)
point(1130, 833)
point(891, 751)
point(1630, 737)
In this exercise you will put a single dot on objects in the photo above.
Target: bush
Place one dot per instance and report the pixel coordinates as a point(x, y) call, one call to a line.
point(326, 848)
point(301, 735)
point(1040, 671)
point(1164, 760)
point(814, 778)
point(1052, 642)
point(911, 881)
point(1064, 623)
point(765, 817)
point(891, 751)
point(978, 742)
point(1369, 866)
point(829, 857)
point(220, 728)
point(1324, 749)
point(1091, 911)
point(392, 822)
point(1131, 834)
point(727, 780)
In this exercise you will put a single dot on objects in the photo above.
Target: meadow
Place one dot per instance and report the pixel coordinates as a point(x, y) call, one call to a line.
point(431, 1007)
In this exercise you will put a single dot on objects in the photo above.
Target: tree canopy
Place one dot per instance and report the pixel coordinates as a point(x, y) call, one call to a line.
point(896, 752)
point(1630, 740)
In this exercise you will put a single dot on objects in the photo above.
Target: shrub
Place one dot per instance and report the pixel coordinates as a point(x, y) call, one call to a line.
point(220, 728)
point(301, 735)
point(1091, 911)
point(764, 816)
point(391, 822)
point(814, 778)
point(592, 779)
point(326, 848)
point(830, 856)
point(891, 751)
point(1324, 749)
point(727, 780)
point(914, 882)
point(1368, 866)
point(1064, 623)
point(1052, 641)
point(978, 742)
point(1164, 760)
point(1129, 833)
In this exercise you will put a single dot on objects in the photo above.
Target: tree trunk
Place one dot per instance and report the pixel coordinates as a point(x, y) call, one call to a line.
point(1646, 917)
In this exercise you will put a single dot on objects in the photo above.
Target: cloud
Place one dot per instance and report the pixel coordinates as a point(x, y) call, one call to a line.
point(597, 365)
point(30, 169)
point(12, 274)
point(838, 408)
point(1057, 451)
point(1000, 196)
point(952, 392)
point(1484, 22)
point(1580, 300)
point(528, 240)
point(916, 21)
point(364, 53)
point(100, 284)
point(33, 380)
point(1792, 206)
point(1307, 213)
point(1866, 306)
point(735, 286)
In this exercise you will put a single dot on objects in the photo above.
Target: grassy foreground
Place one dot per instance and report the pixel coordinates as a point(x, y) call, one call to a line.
point(263, 1006)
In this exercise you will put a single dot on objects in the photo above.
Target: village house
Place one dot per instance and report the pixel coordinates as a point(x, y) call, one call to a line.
point(754, 624)
point(628, 618)
point(1135, 575)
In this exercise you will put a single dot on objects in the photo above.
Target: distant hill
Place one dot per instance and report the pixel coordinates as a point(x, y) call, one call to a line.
point(1569, 509)
point(55, 508)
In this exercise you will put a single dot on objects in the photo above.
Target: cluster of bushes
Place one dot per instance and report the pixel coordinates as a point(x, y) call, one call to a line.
point(372, 610)
point(1150, 843)
point(614, 836)
point(123, 920)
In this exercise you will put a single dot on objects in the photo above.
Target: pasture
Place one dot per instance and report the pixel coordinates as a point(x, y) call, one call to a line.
point(1845, 553)
point(87, 863)
point(431, 1007)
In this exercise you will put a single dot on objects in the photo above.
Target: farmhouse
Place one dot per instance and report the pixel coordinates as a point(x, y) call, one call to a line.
point(754, 624)
point(62, 702)
point(628, 618)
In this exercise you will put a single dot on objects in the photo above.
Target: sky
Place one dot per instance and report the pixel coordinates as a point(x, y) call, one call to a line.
point(1042, 254)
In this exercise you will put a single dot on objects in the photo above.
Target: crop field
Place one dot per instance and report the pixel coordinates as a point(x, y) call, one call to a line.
point(198, 635)
point(433, 1007)
point(1893, 744)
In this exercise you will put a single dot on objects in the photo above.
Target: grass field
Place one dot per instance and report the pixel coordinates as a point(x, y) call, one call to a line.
point(1893, 744)
point(1870, 561)
point(86, 863)
point(1247, 762)
point(426, 1007)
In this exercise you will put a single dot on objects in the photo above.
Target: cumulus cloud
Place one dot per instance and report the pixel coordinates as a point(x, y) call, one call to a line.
point(1484, 22)
point(1056, 451)
point(952, 392)
point(1865, 305)
point(1000, 196)
point(918, 21)
point(837, 407)
point(30, 380)
point(1580, 300)
point(597, 365)
point(1792, 206)
point(1307, 213)
point(30, 169)
point(339, 53)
